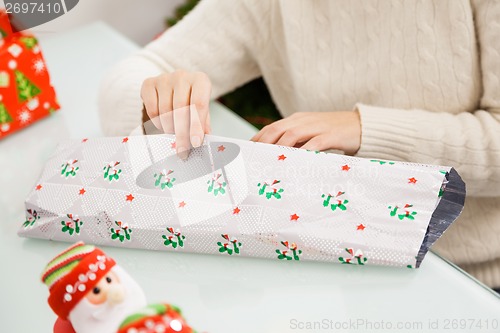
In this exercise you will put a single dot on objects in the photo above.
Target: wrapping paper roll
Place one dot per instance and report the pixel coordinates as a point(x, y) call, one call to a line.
point(239, 198)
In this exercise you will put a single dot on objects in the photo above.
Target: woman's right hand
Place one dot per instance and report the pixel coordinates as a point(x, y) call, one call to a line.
point(178, 103)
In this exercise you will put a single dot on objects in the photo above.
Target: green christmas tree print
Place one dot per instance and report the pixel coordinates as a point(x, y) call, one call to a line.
point(112, 172)
point(163, 179)
point(337, 203)
point(2, 33)
point(216, 186)
point(29, 42)
point(72, 226)
point(406, 213)
point(291, 252)
point(121, 233)
point(4, 115)
point(355, 258)
point(31, 218)
point(174, 239)
point(230, 246)
point(270, 189)
point(69, 168)
point(26, 90)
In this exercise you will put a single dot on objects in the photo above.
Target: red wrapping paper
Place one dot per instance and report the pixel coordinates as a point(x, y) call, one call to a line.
point(26, 94)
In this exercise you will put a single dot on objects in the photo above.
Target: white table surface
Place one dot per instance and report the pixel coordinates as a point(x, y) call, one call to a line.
point(217, 294)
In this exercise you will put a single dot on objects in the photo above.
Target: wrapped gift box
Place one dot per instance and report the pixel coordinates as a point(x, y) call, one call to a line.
point(25, 91)
point(240, 198)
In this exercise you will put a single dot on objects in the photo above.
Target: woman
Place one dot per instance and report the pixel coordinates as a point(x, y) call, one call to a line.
point(407, 80)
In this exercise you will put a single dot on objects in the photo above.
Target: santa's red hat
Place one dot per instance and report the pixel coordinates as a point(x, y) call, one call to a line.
point(72, 274)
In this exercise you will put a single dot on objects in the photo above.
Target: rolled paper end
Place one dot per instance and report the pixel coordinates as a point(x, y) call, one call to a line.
point(447, 211)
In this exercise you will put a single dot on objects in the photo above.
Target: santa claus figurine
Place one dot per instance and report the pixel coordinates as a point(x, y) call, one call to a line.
point(89, 292)
point(155, 318)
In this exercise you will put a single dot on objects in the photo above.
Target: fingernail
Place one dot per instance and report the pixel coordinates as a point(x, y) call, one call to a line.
point(195, 141)
point(183, 153)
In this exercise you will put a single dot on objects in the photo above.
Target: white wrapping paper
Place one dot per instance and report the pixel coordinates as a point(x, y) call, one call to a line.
point(239, 198)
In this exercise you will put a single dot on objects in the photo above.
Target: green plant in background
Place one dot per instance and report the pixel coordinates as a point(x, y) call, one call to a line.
point(181, 11)
point(251, 101)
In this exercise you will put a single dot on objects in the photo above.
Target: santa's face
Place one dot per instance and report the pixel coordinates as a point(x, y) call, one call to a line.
point(105, 306)
point(109, 289)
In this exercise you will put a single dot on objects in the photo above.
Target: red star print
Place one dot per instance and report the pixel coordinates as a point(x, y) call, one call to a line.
point(294, 217)
point(125, 140)
point(182, 204)
point(82, 191)
point(85, 140)
point(130, 197)
point(236, 211)
point(281, 157)
point(172, 145)
point(345, 168)
point(221, 148)
point(361, 227)
point(38, 187)
point(412, 180)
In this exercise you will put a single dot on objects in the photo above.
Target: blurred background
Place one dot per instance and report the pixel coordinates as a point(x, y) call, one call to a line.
point(140, 21)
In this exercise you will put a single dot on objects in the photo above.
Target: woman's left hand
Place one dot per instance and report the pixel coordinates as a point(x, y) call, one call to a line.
point(339, 130)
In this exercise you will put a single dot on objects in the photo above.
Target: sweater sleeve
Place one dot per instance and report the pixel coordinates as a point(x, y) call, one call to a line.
point(216, 37)
point(468, 141)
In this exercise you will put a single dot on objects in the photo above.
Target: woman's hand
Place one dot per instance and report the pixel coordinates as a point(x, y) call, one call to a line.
point(178, 103)
point(339, 130)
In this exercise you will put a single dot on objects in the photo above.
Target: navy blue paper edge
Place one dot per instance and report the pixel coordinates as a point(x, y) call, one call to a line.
point(447, 211)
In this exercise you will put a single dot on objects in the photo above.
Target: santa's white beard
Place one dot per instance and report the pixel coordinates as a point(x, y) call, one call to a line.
point(106, 318)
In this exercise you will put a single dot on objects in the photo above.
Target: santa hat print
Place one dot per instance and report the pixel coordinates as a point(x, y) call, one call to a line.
point(73, 273)
point(156, 318)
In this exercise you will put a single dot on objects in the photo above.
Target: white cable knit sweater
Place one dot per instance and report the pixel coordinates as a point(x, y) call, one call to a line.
point(424, 75)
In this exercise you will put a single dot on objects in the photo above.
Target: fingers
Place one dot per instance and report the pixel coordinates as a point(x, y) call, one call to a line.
point(150, 101)
point(290, 131)
point(200, 98)
point(272, 132)
point(181, 127)
point(196, 128)
point(208, 127)
point(179, 103)
point(320, 142)
point(182, 90)
point(164, 91)
point(181, 115)
point(298, 134)
point(340, 130)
